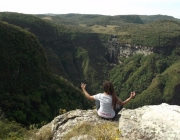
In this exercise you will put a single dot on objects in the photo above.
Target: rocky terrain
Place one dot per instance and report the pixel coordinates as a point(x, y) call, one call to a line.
point(153, 122)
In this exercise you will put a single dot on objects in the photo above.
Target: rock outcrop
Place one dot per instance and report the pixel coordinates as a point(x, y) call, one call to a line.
point(116, 49)
point(65, 123)
point(154, 122)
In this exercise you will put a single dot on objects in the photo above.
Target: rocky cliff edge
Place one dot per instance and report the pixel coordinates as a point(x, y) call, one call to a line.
point(153, 122)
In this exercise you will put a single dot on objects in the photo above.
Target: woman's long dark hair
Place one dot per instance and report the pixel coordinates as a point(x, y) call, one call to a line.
point(109, 89)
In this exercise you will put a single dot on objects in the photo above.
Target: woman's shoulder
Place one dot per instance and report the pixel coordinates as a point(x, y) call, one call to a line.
point(99, 94)
point(105, 95)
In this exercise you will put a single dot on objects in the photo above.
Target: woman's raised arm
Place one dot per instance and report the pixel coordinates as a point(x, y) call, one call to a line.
point(83, 86)
point(122, 103)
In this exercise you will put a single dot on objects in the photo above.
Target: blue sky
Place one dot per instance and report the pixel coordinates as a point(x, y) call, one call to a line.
point(103, 7)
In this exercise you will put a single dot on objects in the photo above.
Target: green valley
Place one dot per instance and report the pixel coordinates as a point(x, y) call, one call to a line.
point(44, 58)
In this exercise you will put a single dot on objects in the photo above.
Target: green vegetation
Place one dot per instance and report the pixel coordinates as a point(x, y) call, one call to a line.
point(154, 78)
point(90, 20)
point(16, 131)
point(30, 92)
point(11, 130)
point(44, 60)
point(152, 18)
point(163, 33)
point(62, 47)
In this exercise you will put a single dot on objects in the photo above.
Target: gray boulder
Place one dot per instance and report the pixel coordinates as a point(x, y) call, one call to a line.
point(155, 122)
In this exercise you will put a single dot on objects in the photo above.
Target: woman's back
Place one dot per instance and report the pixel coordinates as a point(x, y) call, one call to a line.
point(106, 108)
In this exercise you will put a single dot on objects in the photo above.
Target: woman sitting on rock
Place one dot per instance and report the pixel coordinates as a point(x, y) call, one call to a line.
point(108, 105)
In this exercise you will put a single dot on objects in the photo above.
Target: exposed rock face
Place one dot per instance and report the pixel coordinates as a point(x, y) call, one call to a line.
point(117, 49)
point(127, 50)
point(158, 122)
point(155, 122)
point(64, 123)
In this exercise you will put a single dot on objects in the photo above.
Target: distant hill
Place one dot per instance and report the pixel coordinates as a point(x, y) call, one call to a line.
point(109, 24)
point(91, 20)
point(152, 18)
point(160, 33)
point(104, 20)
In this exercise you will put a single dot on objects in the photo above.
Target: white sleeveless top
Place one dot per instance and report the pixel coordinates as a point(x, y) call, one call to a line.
point(106, 108)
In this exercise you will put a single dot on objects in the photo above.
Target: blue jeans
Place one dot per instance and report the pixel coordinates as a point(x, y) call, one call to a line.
point(118, 108)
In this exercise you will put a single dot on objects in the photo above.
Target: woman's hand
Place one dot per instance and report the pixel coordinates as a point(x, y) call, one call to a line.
point(133, 94)
point(83, 86)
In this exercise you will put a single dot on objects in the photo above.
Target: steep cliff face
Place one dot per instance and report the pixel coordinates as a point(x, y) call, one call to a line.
point(117, 50)
point(28, 86)
point(144, 123)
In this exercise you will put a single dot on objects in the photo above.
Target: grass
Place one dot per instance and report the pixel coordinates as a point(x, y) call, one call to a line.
point(44, 134)
point(108, 29)
point(47, 18)
point(106, 130)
